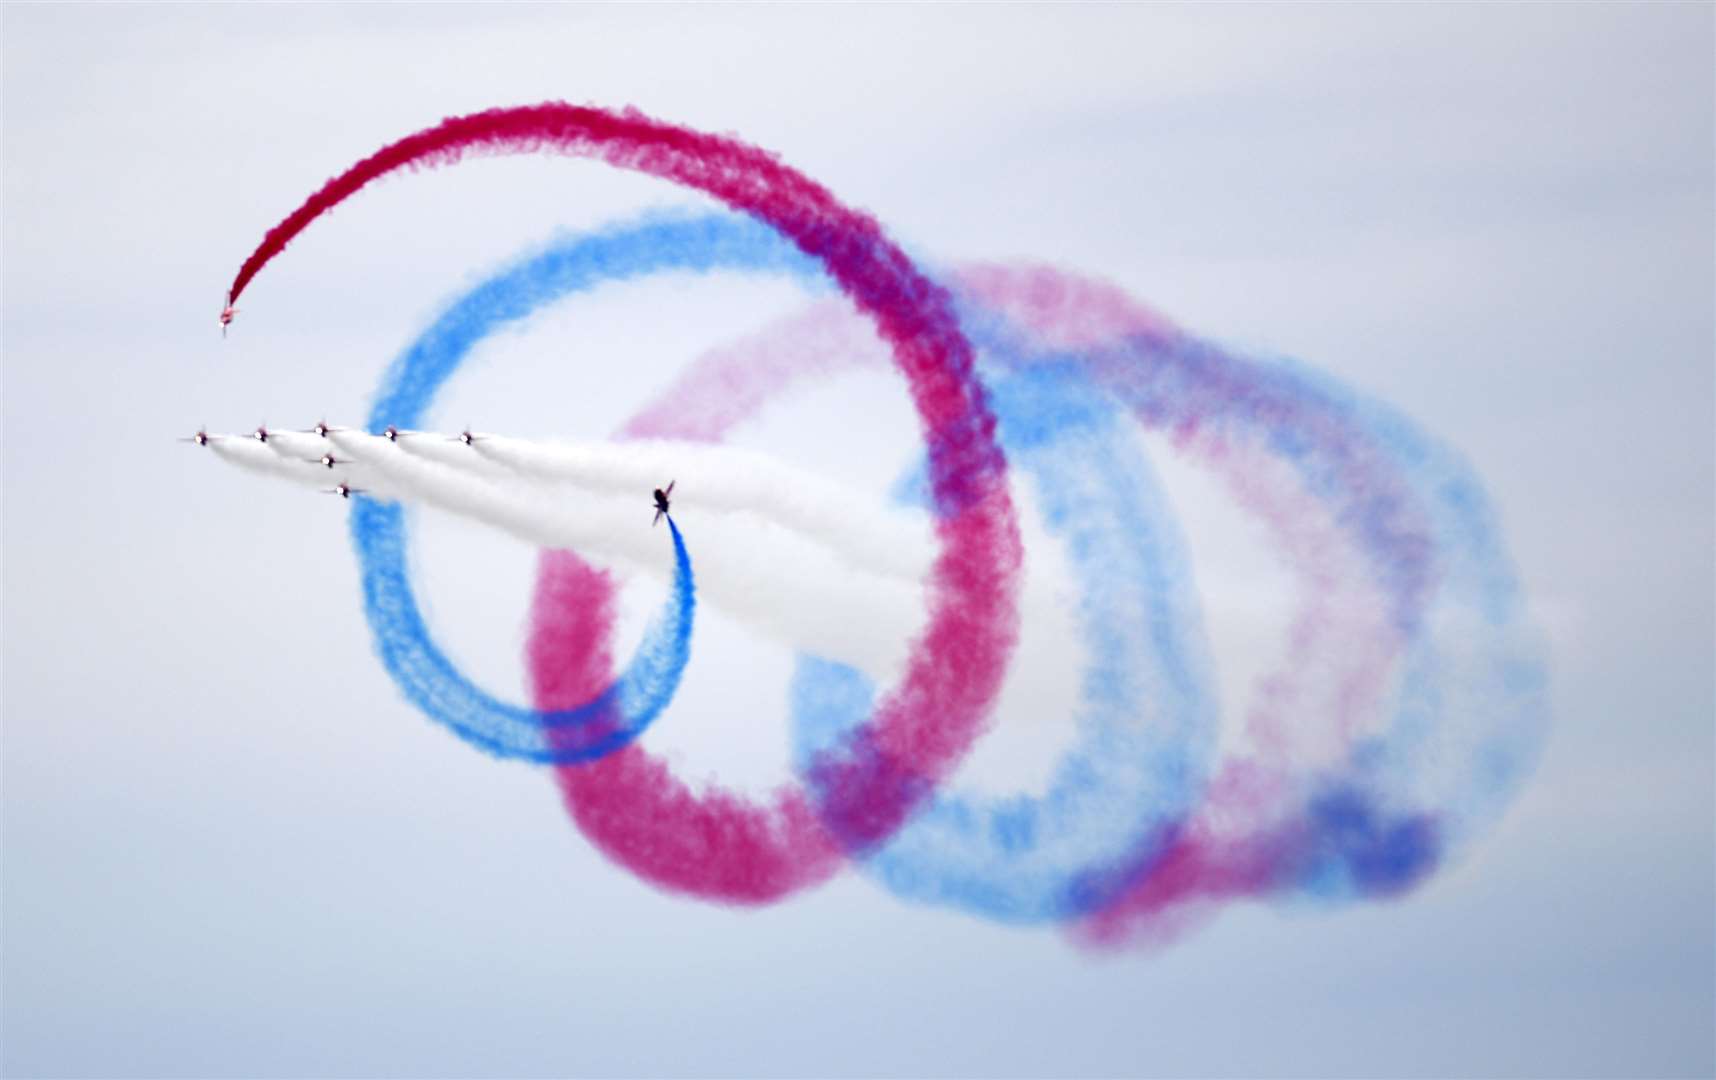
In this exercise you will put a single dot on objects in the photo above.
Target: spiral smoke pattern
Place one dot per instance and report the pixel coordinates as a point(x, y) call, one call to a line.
point(1407, 710)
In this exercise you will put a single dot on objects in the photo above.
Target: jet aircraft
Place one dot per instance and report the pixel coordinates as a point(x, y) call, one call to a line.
point(661, 495)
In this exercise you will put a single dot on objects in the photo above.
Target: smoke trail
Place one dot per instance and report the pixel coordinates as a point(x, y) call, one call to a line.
point(1145, 713)
point(1301, 826)
point(824, 340)
point(635, 250)
point(711, 844)
point(452, 452)
point(607, 719)
point(1027, 863)
point(775, 581)
point(271, 459)
point(1462, 707)
point(723, 846)
point(317, 456)
point(252, 456)
point(1130, 779)
point(1276, 825)
point(910, 310)
point(779, 582)
point(1372, 824)
point(1342, 644)
point(926, 724)
point(624, 816)
point(728, 480)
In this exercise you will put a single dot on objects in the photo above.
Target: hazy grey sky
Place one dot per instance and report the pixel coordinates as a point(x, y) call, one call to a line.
point(230, 848)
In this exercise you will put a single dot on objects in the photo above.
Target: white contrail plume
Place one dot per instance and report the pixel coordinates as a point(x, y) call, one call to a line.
point(284, 462)
point(451, 451)
point(302, 451)
point(774, 579)
point(249, 453)
point(723, 479)
point(301, 446)
point(837, 573)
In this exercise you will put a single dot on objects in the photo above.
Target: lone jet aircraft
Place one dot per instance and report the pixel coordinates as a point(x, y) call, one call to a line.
point(661, 495)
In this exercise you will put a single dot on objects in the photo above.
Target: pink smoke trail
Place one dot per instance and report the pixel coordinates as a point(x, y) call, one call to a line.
point(1341, 642)
point(925, 725)
point(1236, 844)
point(713, 844)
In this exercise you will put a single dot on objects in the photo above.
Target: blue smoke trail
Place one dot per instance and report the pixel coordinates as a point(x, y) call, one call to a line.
point(622, 252)
point(1465, 715)
point(600, 726)
point(1476, 676)
point(1145, 717)
point(402, 639)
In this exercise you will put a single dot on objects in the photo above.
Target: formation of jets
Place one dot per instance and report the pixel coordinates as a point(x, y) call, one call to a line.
point(392, 434)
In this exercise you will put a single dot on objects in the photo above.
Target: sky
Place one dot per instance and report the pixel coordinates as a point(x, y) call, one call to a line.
point(231, 848)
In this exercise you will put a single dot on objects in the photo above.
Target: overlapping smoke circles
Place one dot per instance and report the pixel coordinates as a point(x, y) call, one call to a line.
point(1362, 778)
point(1369, 766)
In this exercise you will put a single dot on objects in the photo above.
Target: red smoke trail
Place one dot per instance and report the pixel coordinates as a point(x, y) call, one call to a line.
point(913, 313)
point(922, 729)
point(714, 845)
point(1246, 840)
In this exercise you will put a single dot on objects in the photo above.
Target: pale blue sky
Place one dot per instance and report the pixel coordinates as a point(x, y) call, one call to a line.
point(230, 849)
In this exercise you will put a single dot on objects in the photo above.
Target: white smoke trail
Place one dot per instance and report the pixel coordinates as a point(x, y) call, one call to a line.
point(774, 579)
point(449, 450)
point(798, 559)
point(303, 450)
point(276, 459)
point(724, 479)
